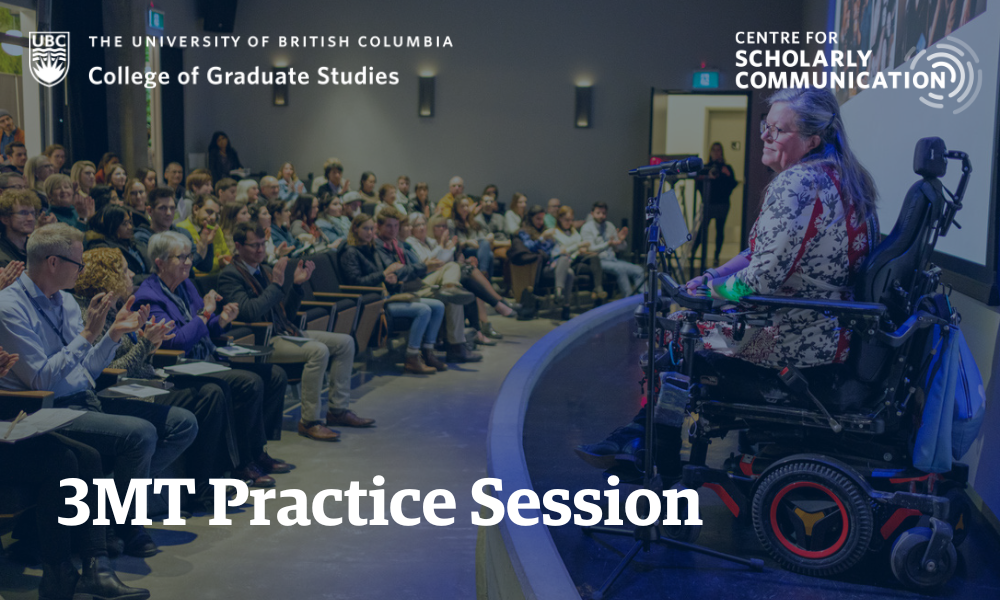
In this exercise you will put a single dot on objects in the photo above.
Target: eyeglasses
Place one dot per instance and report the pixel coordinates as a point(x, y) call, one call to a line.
point(182, 257)
point(772, 131)
point(255, 245)
point(79, 266)
point(26, 213)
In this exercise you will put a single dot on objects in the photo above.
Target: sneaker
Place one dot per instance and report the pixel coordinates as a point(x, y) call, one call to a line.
point(623, 444)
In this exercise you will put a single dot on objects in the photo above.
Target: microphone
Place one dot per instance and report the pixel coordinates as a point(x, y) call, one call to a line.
point(672, 167)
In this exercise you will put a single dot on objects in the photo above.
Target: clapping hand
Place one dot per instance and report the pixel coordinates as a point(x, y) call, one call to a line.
point(7, 362)
point(622, 234)
point(229, 314)
point(127, 320)
point(303, 272)
point(278, 272)
point(283, 250)
point(210, 300)
point(97, 313)
point(156, 332)
point(10, 273)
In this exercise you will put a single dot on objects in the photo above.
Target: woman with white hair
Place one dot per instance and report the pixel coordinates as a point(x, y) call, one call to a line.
point(247, 191)
point(257, 391)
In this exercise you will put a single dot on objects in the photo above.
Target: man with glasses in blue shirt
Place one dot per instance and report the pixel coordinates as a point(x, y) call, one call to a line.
point(64, 353)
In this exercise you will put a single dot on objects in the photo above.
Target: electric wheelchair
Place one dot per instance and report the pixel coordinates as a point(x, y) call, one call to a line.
point(824, 464)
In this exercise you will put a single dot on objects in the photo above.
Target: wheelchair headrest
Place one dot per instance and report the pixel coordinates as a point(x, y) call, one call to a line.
point(929, 158)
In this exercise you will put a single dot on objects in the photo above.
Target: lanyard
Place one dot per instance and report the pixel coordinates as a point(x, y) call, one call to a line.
point(44, 316)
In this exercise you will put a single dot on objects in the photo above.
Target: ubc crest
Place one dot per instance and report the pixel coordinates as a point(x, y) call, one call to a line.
point(49, 54)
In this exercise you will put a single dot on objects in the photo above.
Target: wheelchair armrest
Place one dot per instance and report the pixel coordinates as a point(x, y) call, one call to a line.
point(865, 309)
point(921, 320)
point(678, 293)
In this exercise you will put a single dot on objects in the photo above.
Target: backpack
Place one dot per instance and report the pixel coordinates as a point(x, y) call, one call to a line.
point(955, 398)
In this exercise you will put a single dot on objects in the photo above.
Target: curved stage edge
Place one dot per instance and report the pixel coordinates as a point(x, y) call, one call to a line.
point(523, 562)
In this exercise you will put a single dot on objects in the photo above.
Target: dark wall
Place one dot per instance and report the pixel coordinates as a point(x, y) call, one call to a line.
point(85, 121)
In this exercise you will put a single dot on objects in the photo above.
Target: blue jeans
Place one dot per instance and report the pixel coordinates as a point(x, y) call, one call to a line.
point(142, 437)
point(427, 315)
point(630, 277)
point(484, 254)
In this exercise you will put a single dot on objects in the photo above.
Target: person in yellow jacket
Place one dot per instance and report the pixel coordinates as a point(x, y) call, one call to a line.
point(205, 214)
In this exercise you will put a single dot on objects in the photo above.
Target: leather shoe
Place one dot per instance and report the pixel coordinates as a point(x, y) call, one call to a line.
point(460, 353)
point(431, 360)
point(100, 581)
point(492, 333)
point(415, 364)
point(271, 466)
point(58, 581)
point(252, 474)
point(138, 543)
point(453, 294)
point(347, 418)
point(316, 430)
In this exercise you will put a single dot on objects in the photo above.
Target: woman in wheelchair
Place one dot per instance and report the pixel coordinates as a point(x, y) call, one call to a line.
point(816, 226)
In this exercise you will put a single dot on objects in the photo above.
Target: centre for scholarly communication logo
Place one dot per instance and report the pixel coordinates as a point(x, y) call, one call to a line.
point(49, 56)
point(959, 64)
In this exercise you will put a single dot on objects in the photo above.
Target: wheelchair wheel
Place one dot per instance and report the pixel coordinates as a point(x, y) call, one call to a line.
point(681, 533)
point(907, 555)
point(812, 519)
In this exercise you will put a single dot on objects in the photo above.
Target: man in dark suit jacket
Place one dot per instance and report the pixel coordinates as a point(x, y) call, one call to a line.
point(259, 292)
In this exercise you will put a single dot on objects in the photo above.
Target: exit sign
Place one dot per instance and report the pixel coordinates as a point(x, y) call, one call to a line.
point(705, 80)
point(156, 19)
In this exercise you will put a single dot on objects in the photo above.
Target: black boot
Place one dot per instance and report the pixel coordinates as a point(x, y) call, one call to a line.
point(460, 353)
point(58, 581)
point(668, 453)
point(100, 581)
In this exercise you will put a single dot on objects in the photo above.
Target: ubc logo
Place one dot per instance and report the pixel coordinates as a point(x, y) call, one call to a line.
point(49, 56)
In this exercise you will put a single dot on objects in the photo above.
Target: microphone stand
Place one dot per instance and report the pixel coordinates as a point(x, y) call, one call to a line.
point(645, 535)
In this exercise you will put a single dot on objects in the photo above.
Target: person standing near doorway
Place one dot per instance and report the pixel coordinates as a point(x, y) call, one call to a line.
point(716, 183)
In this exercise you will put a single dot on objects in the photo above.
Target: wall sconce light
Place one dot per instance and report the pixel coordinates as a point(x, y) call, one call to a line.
point(425, 102)
point(280, 89)
point(584, 107)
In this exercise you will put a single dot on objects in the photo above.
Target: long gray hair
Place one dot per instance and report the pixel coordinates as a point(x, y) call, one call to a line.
point(817, 113)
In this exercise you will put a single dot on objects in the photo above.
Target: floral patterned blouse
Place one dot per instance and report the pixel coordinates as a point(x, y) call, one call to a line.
point(807, 242)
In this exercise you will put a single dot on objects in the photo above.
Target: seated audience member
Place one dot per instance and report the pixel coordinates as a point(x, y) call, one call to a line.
point(360, 265)
point(57, 156)
point(262, 218)
point(492, 221)
point(17, 157)
point(135, 200)
point(332, 222)
point(256, 391)
point(147, 177)
point(18, 211)
point(352, 204)
point(112, 228)
point(257, 289)
point(199, 183)
point(515, 214)
point(36, 171)
point(247, 192)
point(281, 229)
point(413, 273)
point(173, 178)
point(118, 178)
point(304, 228)
point(367, 188)
point(204, 216)
point(84, 177)
point(456, 187)
point(222, 157)
point(108, 160)
point(230, 216)
point(269, 189)
point(289, 185)
point(103, 195)
point(534, 242)
point(403, 193)
point(473, 239)
point(160, 207)
point(333, 181)
point(387, 197)
point(490, 190)
point(61, 353)
point(42, 463)
point(225, 190)
point(9, 132)
point(552, 213)
point(421, 201)
point(59, 189)
point(12, 181)
point(434, 252)
point(606, 241)
point(569, 242)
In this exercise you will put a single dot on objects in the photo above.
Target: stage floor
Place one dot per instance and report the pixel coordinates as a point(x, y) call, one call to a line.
point(591, 389)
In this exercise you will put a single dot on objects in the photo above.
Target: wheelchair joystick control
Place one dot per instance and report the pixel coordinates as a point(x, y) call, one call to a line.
point(796, 381)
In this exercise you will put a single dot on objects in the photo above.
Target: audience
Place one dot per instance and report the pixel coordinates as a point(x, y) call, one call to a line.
point(387, 197)
point(222, 157)
point(247, 191)
point(255, 392)
point(36, 171)
point(117, 178)
point(231, 215)
point(534, 242)
point(570, 243)
point(147, 177)
point(492, 221)
point(9, 133)
point(515, 214)
point(332, 222)
point(83, 175)
point(103, 195)
point(455, 189)
point(108, 160)
point(136, 200)
point(474, 240)
point(304, 228)
point(289, 186)
point(281, 229)
point(62, 353)
point(352, 204)
point(203, 219)
point(421, 202)
point(552, 213)
point(606, 241)
point(112, 228)
point(173, 177)
point(12, 181)
point(332, 182)
point(160, 207)
point(17, 157)
point(258, 290)
point(225, 190)
point(198, 184)
point(18, 211)
point(57, 156)
point(269, 189)
point(59, 190)
point(403, 190)
point(260, 215)
point(367, 188)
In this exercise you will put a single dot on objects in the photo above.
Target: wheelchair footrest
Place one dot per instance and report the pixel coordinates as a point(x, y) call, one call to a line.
point(720, 482)
point(856, 423)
